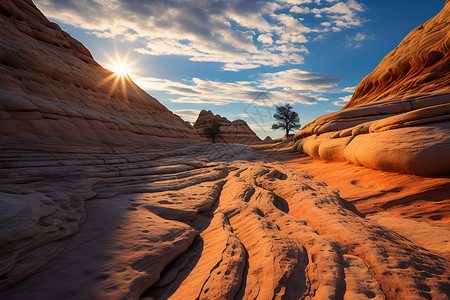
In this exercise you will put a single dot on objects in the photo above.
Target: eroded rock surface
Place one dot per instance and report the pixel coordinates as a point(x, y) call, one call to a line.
point(89, 211)
point(399, 116)
point(237, 131)
point(208, 221)
point(52, 90)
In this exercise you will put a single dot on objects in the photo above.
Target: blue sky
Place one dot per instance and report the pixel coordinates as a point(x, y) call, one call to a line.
point(240, 58)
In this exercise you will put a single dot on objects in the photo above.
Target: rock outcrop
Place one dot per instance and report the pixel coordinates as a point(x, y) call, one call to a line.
point(399, 116)
point(52, 90)
point(207, 221)
point(55, 99)
point(96, 203)
point(237, 132)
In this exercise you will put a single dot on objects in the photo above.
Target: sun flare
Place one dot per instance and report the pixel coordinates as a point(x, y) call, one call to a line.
point(121, 69)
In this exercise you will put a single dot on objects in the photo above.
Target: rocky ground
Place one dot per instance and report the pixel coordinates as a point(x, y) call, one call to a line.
point(202, 221)
point(106, 194)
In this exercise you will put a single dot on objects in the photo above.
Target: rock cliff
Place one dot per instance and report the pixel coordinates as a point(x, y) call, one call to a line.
point(237, 132)
point(55, 99)
point(399, 116)
point(53, 91)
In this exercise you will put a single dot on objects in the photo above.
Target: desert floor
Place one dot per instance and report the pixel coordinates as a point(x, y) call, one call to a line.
point(219, 221)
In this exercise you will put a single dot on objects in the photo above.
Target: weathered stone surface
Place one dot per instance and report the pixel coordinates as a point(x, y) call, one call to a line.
point(399, 116)
point(87, 211)
point(213, 221)
point(139, 221)
point(237, 132)
point(52, 90)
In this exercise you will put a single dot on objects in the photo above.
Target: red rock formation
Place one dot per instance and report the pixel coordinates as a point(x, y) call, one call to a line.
point(55, 99)
point(52, 90)
point(268, 139)
point(420, 64)
point(237, 132)
point(203, 220)
point(399, 116)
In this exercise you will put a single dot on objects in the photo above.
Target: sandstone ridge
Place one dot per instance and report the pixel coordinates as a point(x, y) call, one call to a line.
point(214, 220)
point(237, 132)
point(53, 91)
point(399, 116)
point(97, 203)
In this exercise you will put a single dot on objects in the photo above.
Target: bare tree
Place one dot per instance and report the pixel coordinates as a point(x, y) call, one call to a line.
point(287, 119)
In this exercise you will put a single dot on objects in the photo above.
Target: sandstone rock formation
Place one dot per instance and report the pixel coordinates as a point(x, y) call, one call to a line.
point(52, 90)
point(88, 211)
point(237, 132)
point(399, 116)
point(207, 221)
point(54, 95)
point(268, 139)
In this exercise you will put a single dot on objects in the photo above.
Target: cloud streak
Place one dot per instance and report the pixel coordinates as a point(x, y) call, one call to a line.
point(239, 34)
point(291, 86)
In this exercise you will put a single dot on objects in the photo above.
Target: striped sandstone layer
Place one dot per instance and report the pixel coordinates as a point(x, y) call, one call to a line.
point(399, 116)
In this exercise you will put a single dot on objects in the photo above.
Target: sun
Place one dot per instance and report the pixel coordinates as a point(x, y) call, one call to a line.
point(120, 72)
point(121, 69)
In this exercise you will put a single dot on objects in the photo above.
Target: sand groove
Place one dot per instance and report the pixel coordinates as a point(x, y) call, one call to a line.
point(196, 222)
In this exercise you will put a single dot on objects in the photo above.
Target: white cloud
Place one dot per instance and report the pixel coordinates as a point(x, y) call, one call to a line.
point(265, 38)
point(291, 86)
point(189, 115)
point(299, 80)
point(340, 15)
point(360, 37)
point(296, 2)
point(319, 37)
point(356, 41)
point(350, 89)
point(208, 31)
point(291, 48)
point(300, 9)
point(343, 100)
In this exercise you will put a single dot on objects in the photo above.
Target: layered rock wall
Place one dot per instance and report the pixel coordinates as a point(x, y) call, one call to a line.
point(53, 91)
point(399, 116)
point(237, 132)
point(58, 108)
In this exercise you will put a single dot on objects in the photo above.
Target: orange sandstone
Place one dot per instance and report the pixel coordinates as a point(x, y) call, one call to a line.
point(399, 116)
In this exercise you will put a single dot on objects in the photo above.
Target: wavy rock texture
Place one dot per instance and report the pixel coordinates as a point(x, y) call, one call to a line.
point(87, 211)
point(208, 221)
point(399, 116)
point(52, 90)
point(237, 132)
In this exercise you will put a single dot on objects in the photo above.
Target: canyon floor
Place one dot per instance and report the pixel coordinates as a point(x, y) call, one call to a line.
point(217, 221)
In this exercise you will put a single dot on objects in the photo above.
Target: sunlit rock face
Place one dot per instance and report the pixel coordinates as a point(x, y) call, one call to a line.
point(52, 90)
point(399, 116)
point(202, 221)
point(95, 204)
point(237, 131)
point(58, 107)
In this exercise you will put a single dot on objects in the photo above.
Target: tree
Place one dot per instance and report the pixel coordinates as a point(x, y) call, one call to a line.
point(213, 131)
point(287, 119)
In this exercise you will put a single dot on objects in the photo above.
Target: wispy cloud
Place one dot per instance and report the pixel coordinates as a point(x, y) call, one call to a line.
point(189, 115)
point(343, 100)
point(350, 89)
point(240, 34)
point(356, 41)
point(291, 86)
point(299, 80)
